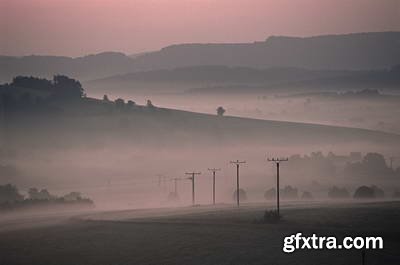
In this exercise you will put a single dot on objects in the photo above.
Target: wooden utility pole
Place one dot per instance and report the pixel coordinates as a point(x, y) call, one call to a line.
point(237, 163)
point(213, 171)
point(277, 161)
point(176, 185)
point(391, 159)
point(193, 174)
point(162, 180)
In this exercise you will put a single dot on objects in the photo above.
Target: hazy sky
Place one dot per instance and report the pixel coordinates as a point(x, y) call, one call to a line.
point(79, 27)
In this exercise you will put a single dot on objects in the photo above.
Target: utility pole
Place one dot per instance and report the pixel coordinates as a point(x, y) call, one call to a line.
point(162, 181)
point(213, 171)
point(277, 161)
point(193, 174)
point(159, 180)
point(391, 159)
point(237, 163)
point(176, 185)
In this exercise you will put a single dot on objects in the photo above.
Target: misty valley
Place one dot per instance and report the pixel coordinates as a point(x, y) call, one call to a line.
point(202, 153)
point(53, 133)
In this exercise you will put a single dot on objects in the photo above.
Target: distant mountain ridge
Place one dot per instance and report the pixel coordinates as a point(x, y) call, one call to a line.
point(85, 68)
point(357, 51)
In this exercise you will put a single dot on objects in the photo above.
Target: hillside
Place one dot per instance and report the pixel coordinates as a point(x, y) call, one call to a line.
point(92, 122)
point(57, 109)
point(244, 79)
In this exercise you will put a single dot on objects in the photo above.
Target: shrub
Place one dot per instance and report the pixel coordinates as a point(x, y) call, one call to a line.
point(372, 192)
point(307, 195)
point(242, 195)
point(270, 194)
point(220, 111)
point(271, 216)
point(173, 197)
point(289, 192)
point(338, 193)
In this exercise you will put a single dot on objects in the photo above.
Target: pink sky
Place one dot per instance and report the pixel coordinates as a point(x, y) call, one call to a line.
point(79, 27)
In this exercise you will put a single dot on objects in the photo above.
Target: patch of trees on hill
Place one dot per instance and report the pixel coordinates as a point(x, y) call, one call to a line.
point(12, 199)
point(32, 93)
point(353, 165)
point(372, 164)
point(335, 193)
point(27, 94)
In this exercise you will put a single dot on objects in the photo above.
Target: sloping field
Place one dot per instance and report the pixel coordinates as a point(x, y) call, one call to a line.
point(205, 235)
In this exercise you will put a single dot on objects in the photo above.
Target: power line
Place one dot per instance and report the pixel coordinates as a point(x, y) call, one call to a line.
point(237, 163)
point(213, 171)
point(277, 161)
point(193, 174)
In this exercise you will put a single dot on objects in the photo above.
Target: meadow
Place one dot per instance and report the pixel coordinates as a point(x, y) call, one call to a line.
point(222, 234)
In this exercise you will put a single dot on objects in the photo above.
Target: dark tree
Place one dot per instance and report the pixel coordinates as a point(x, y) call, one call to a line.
point(220, 111)
point(73, 196)
point(270, 194)
point(149, 104)
point(32, 83)
point(173, 197)
point(338, 193)
point(105, 98)
point(364, 192)
point(307, 195)
point(373, 164)
point(289, 192)
point(35, 194)
point(120, 103)
point(242, 195)
point(378, 192)
point(130, 104)
point(67, 88)
point(9, 194)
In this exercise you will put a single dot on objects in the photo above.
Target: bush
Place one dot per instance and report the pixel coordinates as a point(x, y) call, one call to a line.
point(220, 111)
point(307, 195)
point(378, 193)
point(242, 195)
point(364, 192)
point(270, 194)
point(9, 194)
point(271, 216)
point(120, 103)
point(130, 104)
point(372, 192)
point(173, 197)
point(289, 193)
point(338, 193)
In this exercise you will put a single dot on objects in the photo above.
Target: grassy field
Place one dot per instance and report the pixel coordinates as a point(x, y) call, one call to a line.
point(199, 235)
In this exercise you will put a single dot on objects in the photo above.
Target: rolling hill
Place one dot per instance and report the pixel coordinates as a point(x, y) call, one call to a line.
point(224, 79)
point(358, 51)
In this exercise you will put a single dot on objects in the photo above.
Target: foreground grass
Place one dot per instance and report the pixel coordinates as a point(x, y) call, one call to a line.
point(204, 235)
